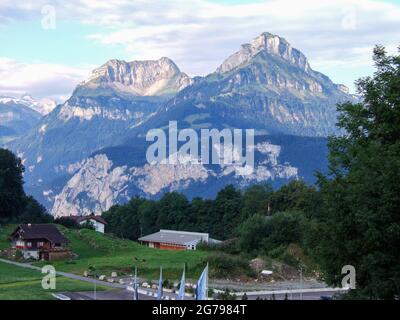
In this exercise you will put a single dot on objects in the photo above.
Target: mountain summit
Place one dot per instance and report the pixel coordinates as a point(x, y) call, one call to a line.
point(268, 43)
point(139, 78)
point(267, 85)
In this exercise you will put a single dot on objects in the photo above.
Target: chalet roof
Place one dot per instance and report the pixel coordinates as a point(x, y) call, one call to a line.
point(40, 231)
point(175, 237)
point(79, 219)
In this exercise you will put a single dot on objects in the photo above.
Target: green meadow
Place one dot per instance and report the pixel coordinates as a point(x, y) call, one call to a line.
point(105, 253)
point(17, 283)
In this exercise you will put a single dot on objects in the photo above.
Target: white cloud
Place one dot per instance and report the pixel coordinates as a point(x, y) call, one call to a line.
point(199, 35)
point(41, 80)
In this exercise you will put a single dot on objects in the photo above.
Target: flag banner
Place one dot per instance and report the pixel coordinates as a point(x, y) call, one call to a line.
point(181, 294)
point(135, 287)
point(160, 286)
point(201, 288)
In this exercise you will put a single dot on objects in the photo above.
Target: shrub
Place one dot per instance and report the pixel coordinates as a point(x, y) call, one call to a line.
point(284, 228)
point(224, 265)
point(227, 295)
point(18, 255)
point(277, 252)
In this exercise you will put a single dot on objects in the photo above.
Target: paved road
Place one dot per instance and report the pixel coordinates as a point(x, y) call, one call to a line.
point(126, 295)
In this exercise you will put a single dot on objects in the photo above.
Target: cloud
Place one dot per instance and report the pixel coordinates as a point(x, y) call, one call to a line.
point(208, 32)
point(198, 35)
point(40, 80)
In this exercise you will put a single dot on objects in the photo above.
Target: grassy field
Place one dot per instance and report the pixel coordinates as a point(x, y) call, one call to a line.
point(17, 283)
point(107, 254)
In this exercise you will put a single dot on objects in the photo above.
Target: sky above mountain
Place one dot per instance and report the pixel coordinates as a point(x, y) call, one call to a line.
point(48, 47)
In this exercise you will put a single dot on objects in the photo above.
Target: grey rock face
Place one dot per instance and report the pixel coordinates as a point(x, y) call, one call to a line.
point(141, 78)
point(272, 44)
point(100, 183)
point(118, 96)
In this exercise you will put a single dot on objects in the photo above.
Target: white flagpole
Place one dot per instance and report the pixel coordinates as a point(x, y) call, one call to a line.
point(181, 293)
point(160, 289)
point(207, 283)
point(135, 284)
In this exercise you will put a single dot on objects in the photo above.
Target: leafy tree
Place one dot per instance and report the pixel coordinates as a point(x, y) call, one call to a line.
point(283, 228)
point(200, 212)
point(361, 221)
point(33, 212)
point(67, 222)
point(173, 211)
point(124, 220)
point(148, 214)
point(130, 218)
point(256, 200)
point(252, 233)
point(226, 214)
point(11, 190)
point(296, 195)
point(15, 206)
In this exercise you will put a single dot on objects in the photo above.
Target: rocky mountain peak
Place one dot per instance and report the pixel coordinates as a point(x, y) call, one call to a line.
point(141, 78)
point(269, 43)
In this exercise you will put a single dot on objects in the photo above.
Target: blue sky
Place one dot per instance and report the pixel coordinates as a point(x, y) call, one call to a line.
point(68, 43)
point(337, 36)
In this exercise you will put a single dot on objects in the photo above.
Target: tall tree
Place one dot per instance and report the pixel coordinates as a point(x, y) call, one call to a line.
point(296, 195)
point(33, 212)
point(361, 221)
point(124, 220)
point(173, 211)
point(257, 200)
point(12, 194)
point(148, 214)
point(226, 215)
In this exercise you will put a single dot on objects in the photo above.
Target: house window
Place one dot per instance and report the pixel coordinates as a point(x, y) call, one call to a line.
point(29, 244)
point(40, 244)
point(19, 244)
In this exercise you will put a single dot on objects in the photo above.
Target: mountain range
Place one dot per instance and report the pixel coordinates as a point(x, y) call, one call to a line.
point(19, 115)
point(89, 152)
